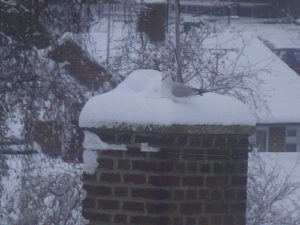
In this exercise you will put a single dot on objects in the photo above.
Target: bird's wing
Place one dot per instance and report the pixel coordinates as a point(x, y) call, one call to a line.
point(180, 90)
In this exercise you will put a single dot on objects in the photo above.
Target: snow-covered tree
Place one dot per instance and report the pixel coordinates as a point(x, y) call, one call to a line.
point(30, 83)
point(270, 198)
point(32, 87)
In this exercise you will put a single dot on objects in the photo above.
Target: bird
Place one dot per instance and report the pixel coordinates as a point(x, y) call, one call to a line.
point(178, 90)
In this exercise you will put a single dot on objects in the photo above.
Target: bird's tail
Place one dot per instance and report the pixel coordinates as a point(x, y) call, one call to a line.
point(201, 91)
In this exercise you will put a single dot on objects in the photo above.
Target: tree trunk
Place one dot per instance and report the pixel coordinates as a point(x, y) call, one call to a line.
point(108, 36)
point(177, 37)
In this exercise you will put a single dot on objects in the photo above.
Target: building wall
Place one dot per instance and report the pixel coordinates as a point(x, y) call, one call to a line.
point(276, 138)
point(193, 179)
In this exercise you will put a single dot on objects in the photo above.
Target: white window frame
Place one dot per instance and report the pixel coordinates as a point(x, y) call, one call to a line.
point(263, 128)
point(292, 139)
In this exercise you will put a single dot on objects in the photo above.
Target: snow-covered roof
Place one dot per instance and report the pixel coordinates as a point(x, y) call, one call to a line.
point(139, 100)
point(281, 86)
point(278, 35)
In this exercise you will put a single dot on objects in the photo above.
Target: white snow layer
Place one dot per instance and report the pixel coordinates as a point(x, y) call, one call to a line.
point(92, 141)
point(145, 147)
point(90, 161)
point(139, 100)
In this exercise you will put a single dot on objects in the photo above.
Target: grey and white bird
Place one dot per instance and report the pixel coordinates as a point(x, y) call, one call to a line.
point(173, 89)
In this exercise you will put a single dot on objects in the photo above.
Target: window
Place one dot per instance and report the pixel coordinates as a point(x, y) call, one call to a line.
point(292, 139)
point(291, 132)
point(261, 140)
point(291, 147)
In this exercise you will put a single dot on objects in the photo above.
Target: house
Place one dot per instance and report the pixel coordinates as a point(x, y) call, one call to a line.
point(278, 129)
point(79, 65)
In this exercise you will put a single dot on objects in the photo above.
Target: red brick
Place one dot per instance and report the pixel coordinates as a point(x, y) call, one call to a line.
point(204, 194)
point(241, 154)
point(124, 164)
point(113, 153)
point(160, 140)
point(239, 180)
point(242, 167)
point(241, 194)
point(182, 141)
point(192, 167)
point(216, 195)
point(88, 203)
point(178, 195)
point(163, 180)
point(191, 194)
point(178, 221)
point(96, 217)
point(203, 221)
point(216, 208)
point(230, 168)
point(179, 167)
point(164, 153)
point(218, 168)
point(215, 181)
point(144, 165)
point(106, 163)
point(133, 206)
point(243, 141)
point(124, 138)
point(120, 219)
point(191, 208)
point(228, 220)
point(238, 207)
point(220, 142)
point(135, 178)
point(207, 142)
point(240, 219)
point(121, 191)
point(205, 168)
point(148, 220)
point(190, 221)
point(230, 194)
point(193, 154)
point(152, 166)
point(216, 220)
point(164, 167)
point(195, 141)
point(150, 193)
point(232, 141)
point(108, 204)
point(89, 177)
point(218, 154)
point(161, 208)
point(110, 177)
point(193, 181)
point(135, 152)
point(97, 190)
